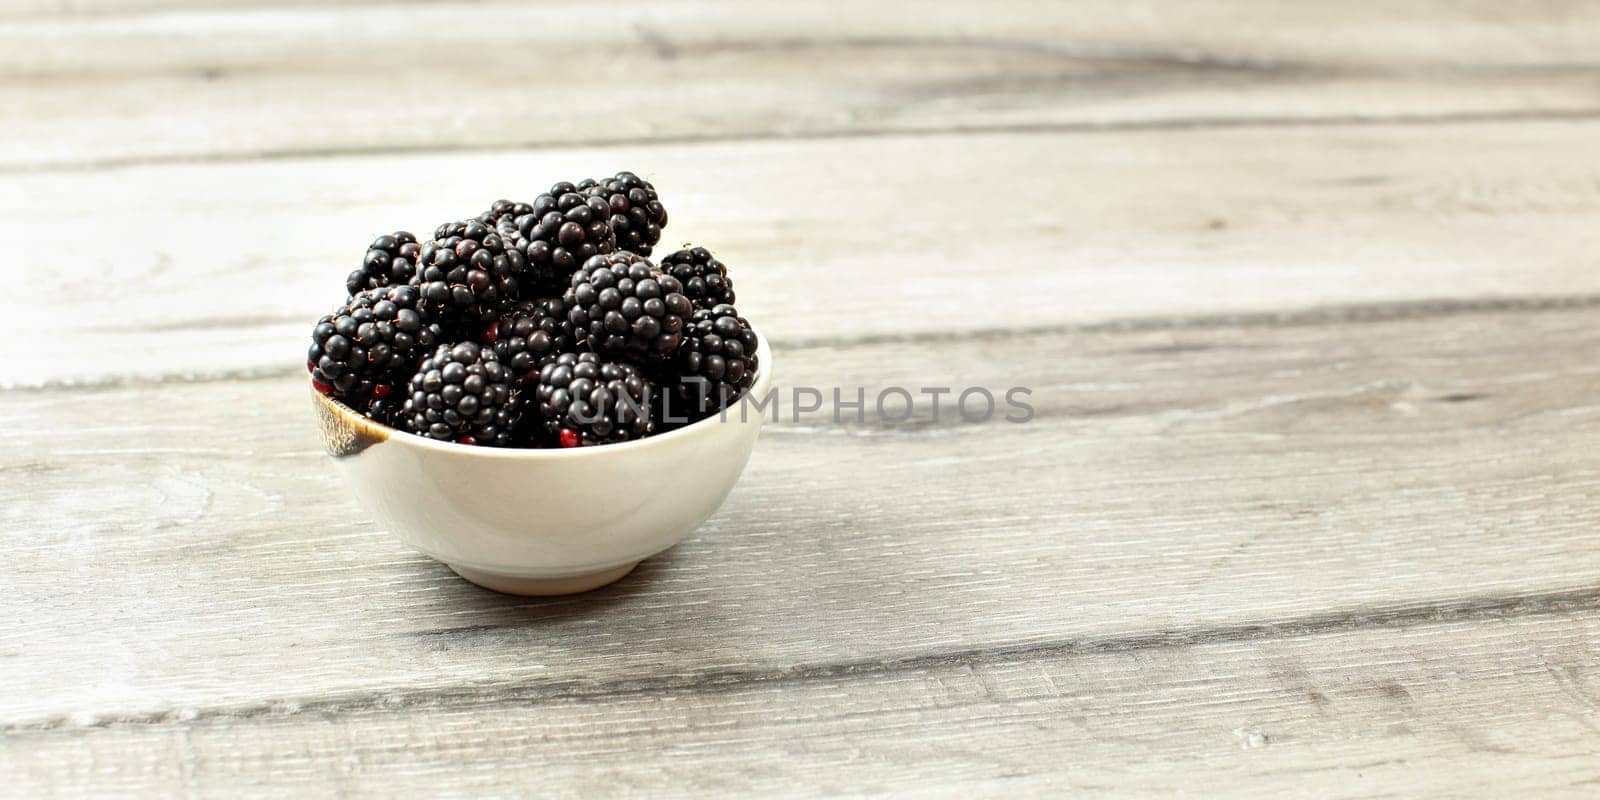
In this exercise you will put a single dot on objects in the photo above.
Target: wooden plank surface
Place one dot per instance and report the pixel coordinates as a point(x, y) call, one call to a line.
point(1176, 479)
point(358, 79)
point(1101, 228)
point(1509, 703)
point(1305, 293)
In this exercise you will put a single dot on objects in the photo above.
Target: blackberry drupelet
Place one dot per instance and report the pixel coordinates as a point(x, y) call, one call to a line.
point(370, 341)
point(704, 278)
point(534, 333)
point(626, 308)
point(717, 362)
point(559, 231)
point(585, 400)
point(467, 274)
point(637, 215)
point(391, 260)
point(462, 393)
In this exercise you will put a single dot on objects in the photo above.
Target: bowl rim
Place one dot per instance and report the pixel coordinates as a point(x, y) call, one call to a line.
point(762, 381)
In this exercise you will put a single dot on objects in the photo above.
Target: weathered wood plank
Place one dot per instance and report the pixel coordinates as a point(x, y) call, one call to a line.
point(939, 234)
point(357, 79)
point(80, 9)
point(1495, 707)
point(1333, 537)
point(186, 549)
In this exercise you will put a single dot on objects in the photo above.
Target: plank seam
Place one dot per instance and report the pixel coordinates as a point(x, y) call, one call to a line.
point(1345, 314)
point(1478, 609)
point(1183, 124)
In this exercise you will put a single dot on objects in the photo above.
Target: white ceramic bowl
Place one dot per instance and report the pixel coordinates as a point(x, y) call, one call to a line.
point(543, 522)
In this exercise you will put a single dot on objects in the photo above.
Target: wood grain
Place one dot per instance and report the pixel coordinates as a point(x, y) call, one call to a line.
point(219, 270)
point(186, 550)
point(1304, 292)
point(360, 79)
point(84, 9)
point(1487, 707)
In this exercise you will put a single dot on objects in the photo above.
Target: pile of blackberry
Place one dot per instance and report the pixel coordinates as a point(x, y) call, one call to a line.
point(538, 324)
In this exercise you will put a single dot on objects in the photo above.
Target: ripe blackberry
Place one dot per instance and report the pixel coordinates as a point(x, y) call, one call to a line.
point(386, 402)
point(585, 400)
point(704, 278)
point(626, 308)
point(467, 274)
point(535, 332)
point(719, 348)
point(503, 210)
point(462, 393)
point(559, 231)
point(637, 215)
point(391, 260)
point(369, 341)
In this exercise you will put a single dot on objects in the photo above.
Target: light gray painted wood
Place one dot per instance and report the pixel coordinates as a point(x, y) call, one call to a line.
point(186, 549)
point(355, 79)
point(1305, 293)
point(1490, 706)
point(84, 9)
point(220, 269)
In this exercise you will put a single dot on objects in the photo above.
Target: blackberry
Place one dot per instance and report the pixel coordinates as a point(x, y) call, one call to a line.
point(559, 231)
point(704, 278)
point(386, 403)
point(637, 215)
point(625, 307)
point(503, 210)
point(462, 393)
point(585, 400)
point(467, 274)
point(535, 332)
point(391, 260)
point(719, 349)
point(369, 341)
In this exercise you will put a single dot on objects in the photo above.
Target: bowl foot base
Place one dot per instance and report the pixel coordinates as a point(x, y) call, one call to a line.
point(543, 587)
